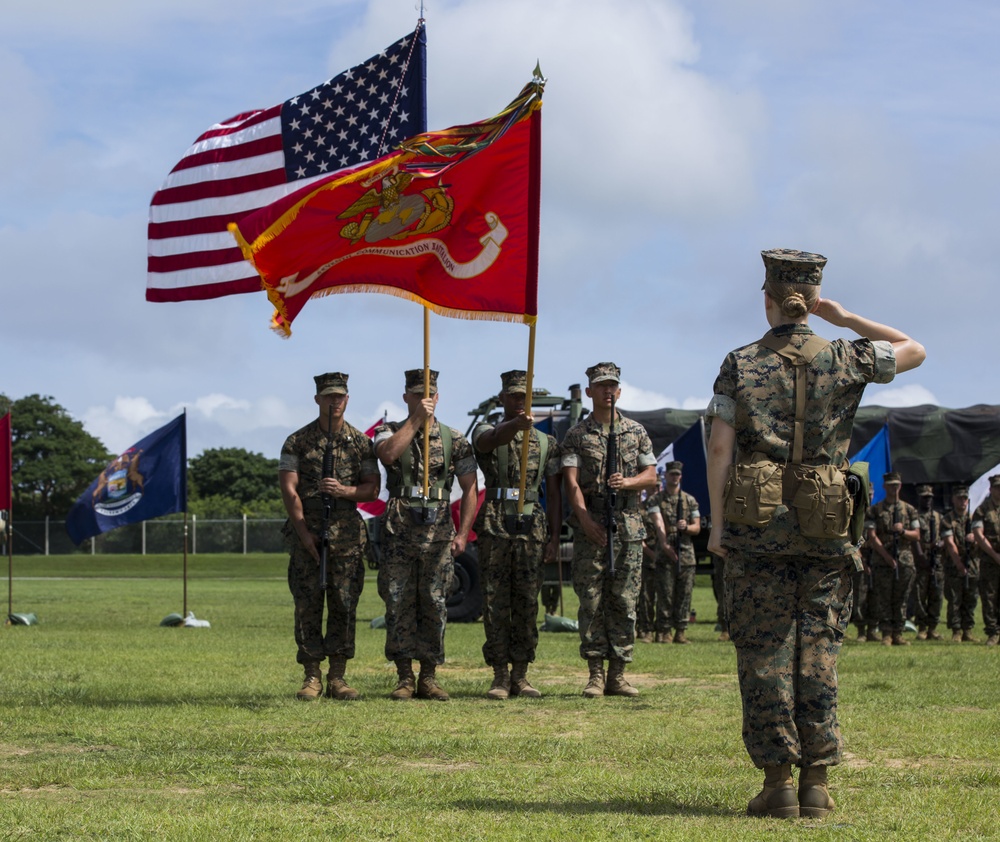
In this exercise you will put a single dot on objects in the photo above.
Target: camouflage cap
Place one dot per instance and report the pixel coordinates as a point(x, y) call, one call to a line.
point(415, 380)
point(892, 478)
point(960, 491)
point(788, 266)
point(675, 467)
point(994, 480)
point(604, 371)
point(332, 383)
point(925, 491)
point(515, 382)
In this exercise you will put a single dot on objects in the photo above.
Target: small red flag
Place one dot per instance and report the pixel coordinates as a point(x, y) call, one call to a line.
point(450, 220)
point(6, 463)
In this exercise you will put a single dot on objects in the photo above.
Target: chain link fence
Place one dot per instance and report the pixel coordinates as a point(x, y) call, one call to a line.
point(235, 535)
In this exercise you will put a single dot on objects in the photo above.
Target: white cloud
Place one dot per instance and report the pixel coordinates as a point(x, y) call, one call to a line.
point(913, 394)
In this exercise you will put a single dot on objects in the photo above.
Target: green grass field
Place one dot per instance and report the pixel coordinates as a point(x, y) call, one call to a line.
point(112, 727)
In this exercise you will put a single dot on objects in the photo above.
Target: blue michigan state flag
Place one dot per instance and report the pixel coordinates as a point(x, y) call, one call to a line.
point(146, 481)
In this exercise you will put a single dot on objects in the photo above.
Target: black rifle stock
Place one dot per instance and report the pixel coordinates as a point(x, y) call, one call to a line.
point(610, 495)
point(324, 550)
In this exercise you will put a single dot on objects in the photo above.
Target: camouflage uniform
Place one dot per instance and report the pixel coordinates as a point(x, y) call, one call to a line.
point(891, 586)
point(645, 617)
point(675, 579)
point(510, 564)
point(416, 566)
point(788, 597)
point(987, 518)
point(960, 589)
point(930, 568)
point(607, 605)
point(353, 458)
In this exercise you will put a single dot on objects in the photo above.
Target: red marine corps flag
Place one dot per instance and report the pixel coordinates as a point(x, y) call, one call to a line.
point(449, 219)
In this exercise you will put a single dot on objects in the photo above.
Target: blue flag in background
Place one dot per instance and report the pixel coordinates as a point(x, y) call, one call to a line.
point(146, 481)
point(689, 448)
point(876, 454)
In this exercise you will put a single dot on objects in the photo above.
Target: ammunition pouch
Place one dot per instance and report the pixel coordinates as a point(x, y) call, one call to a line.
point(753, 491)
point(822, 500)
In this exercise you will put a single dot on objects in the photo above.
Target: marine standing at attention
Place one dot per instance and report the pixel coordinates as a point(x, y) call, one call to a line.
point(419, 539)
point(511, 543)
point(307, 493)
point(607, 600)
point(785, 406)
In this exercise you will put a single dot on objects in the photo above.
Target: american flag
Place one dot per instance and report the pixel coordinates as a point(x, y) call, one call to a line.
point(245, 163)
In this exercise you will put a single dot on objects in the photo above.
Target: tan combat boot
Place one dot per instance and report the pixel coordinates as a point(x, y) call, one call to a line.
point(617, 683)
point(993, 639)
point(899, 640)
point(777, 799)
point(407, 684)
point(500, 688)
point(680, 637)
point(933, 633)
point(312, 684)
point(956, 636)
point(595, 687)
point(644, 637)
point(336, 687)
point(887, 639)
point(969, 637)
point(814, 799)
point(427, 686)
point(519, 681)
point(921, 633)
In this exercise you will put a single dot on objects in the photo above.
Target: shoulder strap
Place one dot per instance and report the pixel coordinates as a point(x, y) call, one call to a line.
point(406, 460)
point(503, 457)
point(800, 358)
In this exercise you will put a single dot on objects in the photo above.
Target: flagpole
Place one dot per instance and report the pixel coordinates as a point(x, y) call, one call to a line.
point(427, 394)
point(9, 520)
point(184, 466)
point(527, 409)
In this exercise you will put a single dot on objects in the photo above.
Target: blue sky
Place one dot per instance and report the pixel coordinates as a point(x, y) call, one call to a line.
point(680, 139)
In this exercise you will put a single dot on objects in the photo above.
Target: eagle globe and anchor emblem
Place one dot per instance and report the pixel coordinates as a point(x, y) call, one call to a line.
point(120, 485)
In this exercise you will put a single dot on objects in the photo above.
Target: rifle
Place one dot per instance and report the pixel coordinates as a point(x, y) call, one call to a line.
point(610, 495)
point(896, 518)
point(324, 550)
point(677, 530)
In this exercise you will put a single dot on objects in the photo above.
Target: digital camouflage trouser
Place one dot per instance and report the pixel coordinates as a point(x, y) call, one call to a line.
point(929, 591)
point(787, 618)
point(645, 608)
point(961, 593)
point(345, 578)
point(607, 603)
point(989, 593)
point(510, 578)
point(890, 596)
point(413, 581)
point(673, 595)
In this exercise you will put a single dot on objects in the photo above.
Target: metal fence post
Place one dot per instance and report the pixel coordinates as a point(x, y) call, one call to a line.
point(244, 533)
point(194, 534)
point(46, 535)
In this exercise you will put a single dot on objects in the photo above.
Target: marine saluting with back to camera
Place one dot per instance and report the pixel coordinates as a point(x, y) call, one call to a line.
point(786, 520)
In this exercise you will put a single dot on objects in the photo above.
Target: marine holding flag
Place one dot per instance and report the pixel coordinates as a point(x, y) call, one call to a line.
point(307, 492)
point(146, 481)
point(785, 406)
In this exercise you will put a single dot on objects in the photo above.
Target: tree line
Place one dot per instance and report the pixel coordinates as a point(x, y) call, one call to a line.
point(54, 460)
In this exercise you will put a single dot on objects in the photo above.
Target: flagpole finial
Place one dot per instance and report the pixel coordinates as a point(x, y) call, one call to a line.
point(537, 72)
